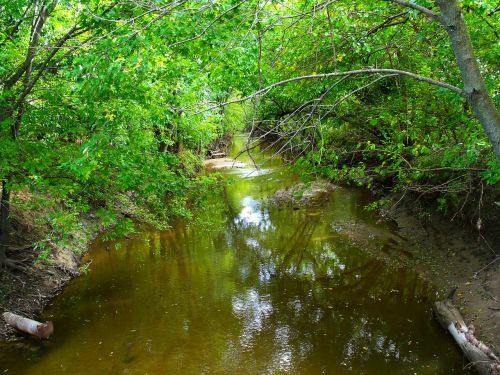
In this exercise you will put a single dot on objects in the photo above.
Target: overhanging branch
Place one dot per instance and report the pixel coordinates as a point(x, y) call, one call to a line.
point(395, 72)
point(429, 13)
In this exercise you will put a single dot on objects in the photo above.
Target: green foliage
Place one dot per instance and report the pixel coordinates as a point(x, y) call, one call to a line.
point(492, 175)
point(103, 130)
point(392, 131)
point(117, 120)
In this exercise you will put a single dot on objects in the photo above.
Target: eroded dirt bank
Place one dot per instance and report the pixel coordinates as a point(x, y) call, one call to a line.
point(454, 255)
point(28, 292)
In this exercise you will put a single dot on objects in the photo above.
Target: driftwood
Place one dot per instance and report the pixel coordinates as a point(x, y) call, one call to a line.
point(480, 355)
point(214, 154)
point(42, 330)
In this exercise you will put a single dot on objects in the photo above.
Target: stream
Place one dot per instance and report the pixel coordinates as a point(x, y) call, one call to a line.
point(246, 289)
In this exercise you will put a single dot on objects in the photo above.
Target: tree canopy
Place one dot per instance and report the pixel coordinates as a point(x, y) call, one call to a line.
point(101, 100)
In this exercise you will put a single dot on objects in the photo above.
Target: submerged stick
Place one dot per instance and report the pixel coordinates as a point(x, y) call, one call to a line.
point(41, 330)
point(479, 354)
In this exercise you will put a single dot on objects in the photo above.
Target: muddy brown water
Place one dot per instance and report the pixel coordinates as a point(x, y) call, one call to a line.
point(245, 289)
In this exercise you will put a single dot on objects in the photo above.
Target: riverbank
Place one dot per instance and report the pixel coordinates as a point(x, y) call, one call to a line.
point(455, 256)
point(46, 271)
point(50, 259)
point(446, 254)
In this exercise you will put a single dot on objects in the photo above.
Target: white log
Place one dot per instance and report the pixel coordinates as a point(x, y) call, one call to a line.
point(42, 330)
point(480, 355)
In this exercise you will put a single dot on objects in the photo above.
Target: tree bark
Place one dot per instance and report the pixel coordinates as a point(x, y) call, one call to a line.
point(40, 14)
point(475, 90)
point(4, 222)
point(4, 210)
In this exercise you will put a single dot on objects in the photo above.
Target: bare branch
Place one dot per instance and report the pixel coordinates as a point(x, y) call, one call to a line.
point(40, 15)
point(348, 95)
point(389, 22)
point(74, 31)
point(429, 13)
point(368, 71)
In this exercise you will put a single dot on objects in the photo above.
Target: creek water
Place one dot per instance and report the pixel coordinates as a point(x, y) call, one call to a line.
point(247, 289)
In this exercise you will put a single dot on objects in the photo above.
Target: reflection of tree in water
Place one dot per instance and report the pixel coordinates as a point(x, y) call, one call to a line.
point(296, 251)
point(331, 299)
point(321, 298)
point(315, 321)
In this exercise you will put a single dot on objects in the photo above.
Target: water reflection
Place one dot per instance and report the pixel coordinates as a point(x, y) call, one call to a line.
point(253, 214)
point(253, 310)
point(247, 290)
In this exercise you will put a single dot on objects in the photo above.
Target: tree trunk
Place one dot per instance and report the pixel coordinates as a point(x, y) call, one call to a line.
point(162, 145)
point(3, 256)
point(474, 87)
point(4, 223)
point(4, 212)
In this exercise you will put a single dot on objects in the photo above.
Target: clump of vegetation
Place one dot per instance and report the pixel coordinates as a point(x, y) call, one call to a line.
point(302, 195)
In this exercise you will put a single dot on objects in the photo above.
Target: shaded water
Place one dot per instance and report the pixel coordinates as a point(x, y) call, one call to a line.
point(242, 289)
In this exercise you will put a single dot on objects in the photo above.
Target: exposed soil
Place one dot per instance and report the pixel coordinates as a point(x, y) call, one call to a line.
point(27, 292)
point(222, 163)
point(455, 255)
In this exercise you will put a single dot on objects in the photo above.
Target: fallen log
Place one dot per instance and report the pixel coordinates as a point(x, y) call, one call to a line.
point(215, 155)
point(42, 330)
point(481, 357)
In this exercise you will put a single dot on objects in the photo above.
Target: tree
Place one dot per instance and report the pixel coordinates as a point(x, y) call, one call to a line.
point(475, 91)
point(18, 83)
point(83, 87)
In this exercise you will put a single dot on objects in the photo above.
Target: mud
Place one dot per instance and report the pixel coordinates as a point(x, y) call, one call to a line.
point(28, 292)
point(455, 255)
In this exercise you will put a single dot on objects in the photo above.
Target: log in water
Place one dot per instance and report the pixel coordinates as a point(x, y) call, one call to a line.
point(26, 325)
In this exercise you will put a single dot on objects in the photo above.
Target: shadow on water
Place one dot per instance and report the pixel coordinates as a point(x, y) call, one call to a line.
point(247, 289)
